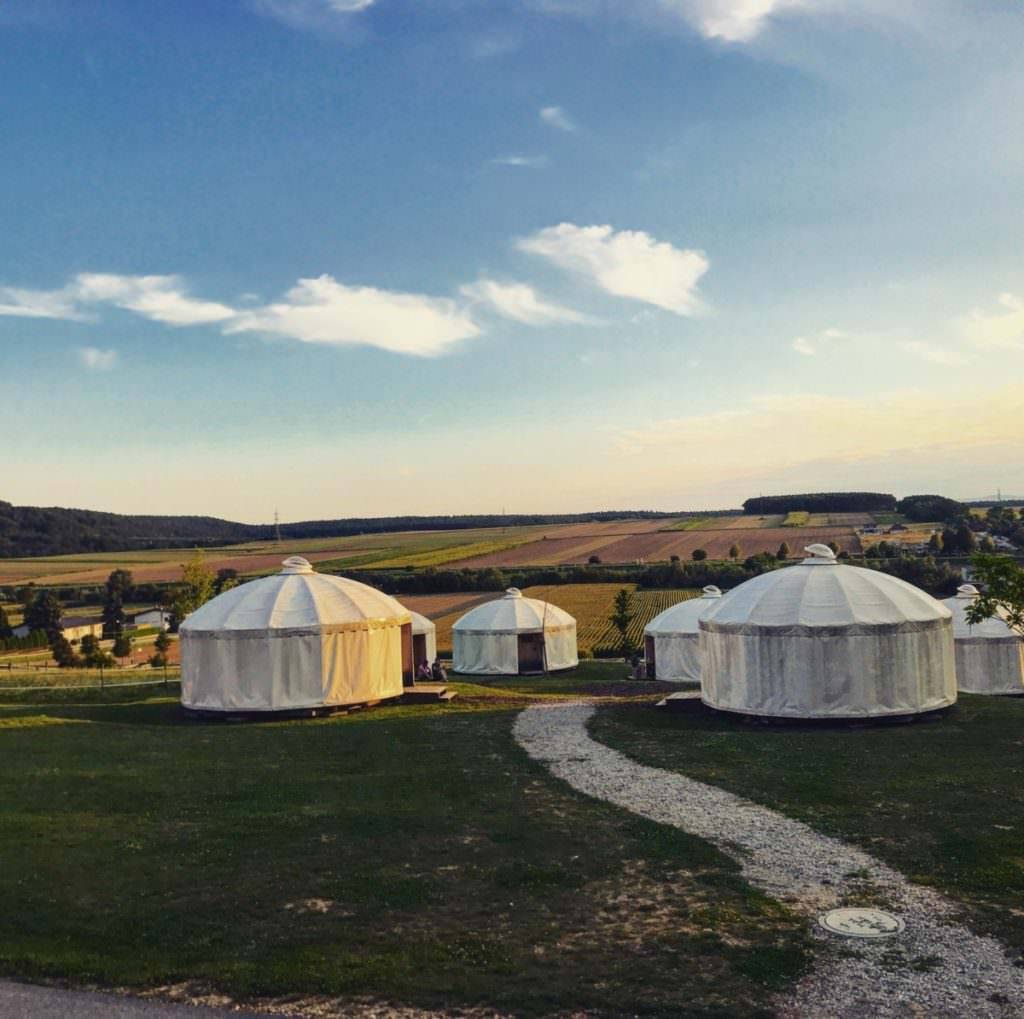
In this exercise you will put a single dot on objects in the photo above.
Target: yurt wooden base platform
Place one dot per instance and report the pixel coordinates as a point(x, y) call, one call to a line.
point(427, 693)
point(199, 715)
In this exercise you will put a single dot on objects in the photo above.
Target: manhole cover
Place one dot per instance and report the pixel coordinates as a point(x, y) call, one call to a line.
point(861, 923)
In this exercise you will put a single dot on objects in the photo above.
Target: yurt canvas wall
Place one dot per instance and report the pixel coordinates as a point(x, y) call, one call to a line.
point(989, 655)
point(672, 639)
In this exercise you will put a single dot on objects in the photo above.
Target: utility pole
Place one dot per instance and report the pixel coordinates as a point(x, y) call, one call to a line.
point(277, 526)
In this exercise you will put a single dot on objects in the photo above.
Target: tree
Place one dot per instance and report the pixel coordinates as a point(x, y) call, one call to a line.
point(63, 653)
point(93, 654)
point(783, 552)
point(1002, 591)
point(122, 645)
point(986, 545)
point(6, 631)
point(834, 546)
point(119, 585)
point(698, 555)
point(935, 543)
point(161, 645)
point(966, 541)
point(594, 560)
point(734, 552)
point(621, 617)
point(673, 558)
point(44, 613)
point(227, 578)
point(195, 589)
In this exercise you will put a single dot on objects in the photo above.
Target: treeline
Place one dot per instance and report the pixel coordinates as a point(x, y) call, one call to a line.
point(822, 502)
point(927, 508)
point(36, 531)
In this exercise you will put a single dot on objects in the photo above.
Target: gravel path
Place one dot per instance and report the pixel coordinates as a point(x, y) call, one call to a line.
point(935, 968)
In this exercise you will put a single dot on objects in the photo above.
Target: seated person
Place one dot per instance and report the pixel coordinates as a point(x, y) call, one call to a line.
point(438, 672)
point(423, 670)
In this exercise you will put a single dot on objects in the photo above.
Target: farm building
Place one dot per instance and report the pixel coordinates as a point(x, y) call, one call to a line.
point(514, 635)
point(296, 640)
point(424, 638)
point(825, 640)
point(671, 639)
point(989, 655)
point(74, 628)
point(152, 617)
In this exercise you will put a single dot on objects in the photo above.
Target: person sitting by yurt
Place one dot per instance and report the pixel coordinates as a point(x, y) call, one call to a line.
point(825, 640)
point(989, 655)
point(672, 639)
point(513, 636)
point(297, 640)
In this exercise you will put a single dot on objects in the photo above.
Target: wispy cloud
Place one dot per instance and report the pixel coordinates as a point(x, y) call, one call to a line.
point(324, 311)
point(1000, 330)
point(58, 304)
point(519, 302)
point(733, 20)
point(625, 263)
point(97, 360)
point(935, 355)
point(529, 162)
point(495, 44)
point(555, 116)
point(312, 14)
point(160, 298)
point(810, 346)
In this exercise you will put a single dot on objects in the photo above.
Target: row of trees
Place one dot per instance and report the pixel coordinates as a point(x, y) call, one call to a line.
point(822, 502)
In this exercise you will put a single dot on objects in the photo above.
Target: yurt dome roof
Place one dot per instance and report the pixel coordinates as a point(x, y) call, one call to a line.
point(991, 628)
point(297, 598)
point(514, 613)
point(421, 624)
point(684, 616)
point(822, 592)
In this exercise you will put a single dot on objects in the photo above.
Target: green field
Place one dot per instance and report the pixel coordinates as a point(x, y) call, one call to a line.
point(799, 518)
point(431, 864)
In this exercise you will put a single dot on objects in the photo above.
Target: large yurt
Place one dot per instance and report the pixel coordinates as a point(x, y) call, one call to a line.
point(672, 639)
point(294, 641)
point(989, 655)
point(424, 639)
point(512, 636)
point(825, 640)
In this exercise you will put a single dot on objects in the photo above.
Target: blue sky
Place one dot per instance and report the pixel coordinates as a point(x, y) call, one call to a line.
point(346, 257)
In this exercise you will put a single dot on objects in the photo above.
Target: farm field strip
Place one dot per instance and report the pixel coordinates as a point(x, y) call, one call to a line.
point(545, 553)
point(436, 606)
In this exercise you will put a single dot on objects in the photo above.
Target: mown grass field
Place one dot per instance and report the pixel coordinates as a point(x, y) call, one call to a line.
point(411, 855)
point(942, 801)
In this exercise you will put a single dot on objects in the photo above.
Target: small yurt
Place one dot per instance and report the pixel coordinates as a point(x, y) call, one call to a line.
point(424, 639)
point(297, 640)
point(825, 640)
point(672, 639)
point(512, 636)
point(989, 655)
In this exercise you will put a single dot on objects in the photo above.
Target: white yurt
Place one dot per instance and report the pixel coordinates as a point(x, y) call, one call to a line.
point(672, 639)
point(824, 640)
point(989, 655)
point(424, 639)
point(293, 641)
point(514, 635)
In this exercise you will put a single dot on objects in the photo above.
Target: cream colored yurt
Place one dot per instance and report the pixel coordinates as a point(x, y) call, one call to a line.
point(294, 641)
point(989, 655)
point(514, 635)
point(424, 639)
point(672, 639)
point(824, 640)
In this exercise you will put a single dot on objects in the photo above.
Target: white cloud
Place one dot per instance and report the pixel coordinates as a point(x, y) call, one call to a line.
point(936, 355)
point(626, 263)
point(809, 347)
point(160, 298)
point(18, 302)
point(732, 20)
point(802, 345)
point(520, 302)
point(312, 14)
point(1003, 330)
point(555, 116)
point(322, 310)
point(96, 359)
point(531, 162)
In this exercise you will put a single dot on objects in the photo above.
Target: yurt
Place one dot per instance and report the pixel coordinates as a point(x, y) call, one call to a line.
point(825, 640)
point(297, 640)
point(989, 655)
point(424, 639)
point(671, 639)
point(514, 635)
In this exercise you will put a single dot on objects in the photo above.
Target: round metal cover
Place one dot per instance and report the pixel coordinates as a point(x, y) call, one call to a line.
point(861, 923)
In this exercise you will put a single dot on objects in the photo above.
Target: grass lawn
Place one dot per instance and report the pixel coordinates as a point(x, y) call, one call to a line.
point(942, 801)
point(412, 854)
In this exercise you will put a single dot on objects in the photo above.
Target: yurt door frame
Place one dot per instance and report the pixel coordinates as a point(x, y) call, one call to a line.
point(530, 647)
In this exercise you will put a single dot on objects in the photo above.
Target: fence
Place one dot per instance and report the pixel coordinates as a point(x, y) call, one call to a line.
point(72, 679)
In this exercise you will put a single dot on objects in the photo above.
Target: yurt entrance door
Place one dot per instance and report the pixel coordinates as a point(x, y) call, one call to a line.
point(419, 648)
point(649, 657)
point(531, 653)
